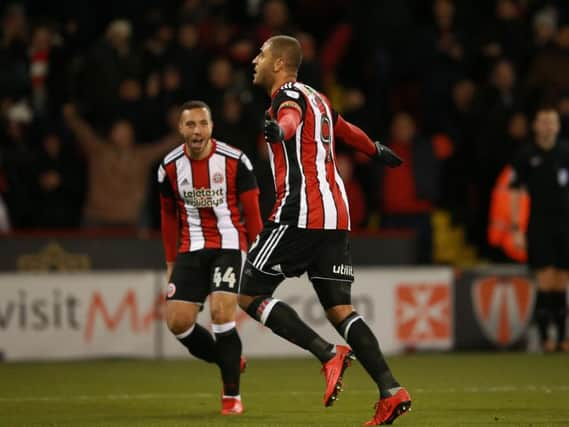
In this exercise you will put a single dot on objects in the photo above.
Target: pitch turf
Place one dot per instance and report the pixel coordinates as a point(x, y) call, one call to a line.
point(447, 390)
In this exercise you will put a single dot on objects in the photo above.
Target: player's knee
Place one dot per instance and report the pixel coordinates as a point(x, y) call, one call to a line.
point(333, 297)
point(338, 313)
point(179, 322)
point(222, 307)
point(222, 314)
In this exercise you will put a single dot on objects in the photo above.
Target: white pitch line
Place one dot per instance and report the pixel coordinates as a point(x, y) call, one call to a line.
point(168, 396)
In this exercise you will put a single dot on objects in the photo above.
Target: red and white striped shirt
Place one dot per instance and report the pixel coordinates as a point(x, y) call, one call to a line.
point(309, 190)
point(205, 196)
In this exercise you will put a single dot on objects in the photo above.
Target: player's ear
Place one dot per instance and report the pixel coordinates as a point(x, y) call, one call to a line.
point(180, 122)
point(278, 64)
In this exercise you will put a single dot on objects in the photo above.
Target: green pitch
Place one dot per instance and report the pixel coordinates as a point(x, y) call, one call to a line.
point(447, 390)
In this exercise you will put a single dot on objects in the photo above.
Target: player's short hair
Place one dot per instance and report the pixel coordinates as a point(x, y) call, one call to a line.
point(289, 49)
point(190, 105)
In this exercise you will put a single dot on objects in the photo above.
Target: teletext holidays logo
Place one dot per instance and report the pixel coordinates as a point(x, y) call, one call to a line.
point(204, 197)
point(66, 311)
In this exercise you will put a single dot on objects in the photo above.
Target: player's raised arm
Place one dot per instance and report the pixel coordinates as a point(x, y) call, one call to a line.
point(357, 138)
point(289, 117)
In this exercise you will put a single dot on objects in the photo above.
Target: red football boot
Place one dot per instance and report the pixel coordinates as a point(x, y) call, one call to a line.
point(389, 408)
point(334, 370)
point(231, 405)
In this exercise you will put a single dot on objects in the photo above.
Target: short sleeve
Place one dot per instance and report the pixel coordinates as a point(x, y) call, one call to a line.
point(164, 183)
point(287, 95)
point(246, 179)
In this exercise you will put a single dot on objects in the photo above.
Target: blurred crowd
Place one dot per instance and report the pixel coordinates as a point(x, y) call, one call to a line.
point(89, 91)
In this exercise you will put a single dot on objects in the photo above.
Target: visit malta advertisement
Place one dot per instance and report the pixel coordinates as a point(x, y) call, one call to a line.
point(48, 316)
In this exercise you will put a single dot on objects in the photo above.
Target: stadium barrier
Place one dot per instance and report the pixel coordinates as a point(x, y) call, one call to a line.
point(120, 314)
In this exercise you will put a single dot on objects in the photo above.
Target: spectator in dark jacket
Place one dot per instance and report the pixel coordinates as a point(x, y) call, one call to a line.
point(59, 184)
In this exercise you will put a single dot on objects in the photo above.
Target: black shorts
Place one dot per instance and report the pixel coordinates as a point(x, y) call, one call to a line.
point(282, 251)
point(548, 243)
point(197, 274)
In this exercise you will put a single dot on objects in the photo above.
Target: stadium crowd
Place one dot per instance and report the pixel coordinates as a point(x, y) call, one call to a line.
point(89, 94)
